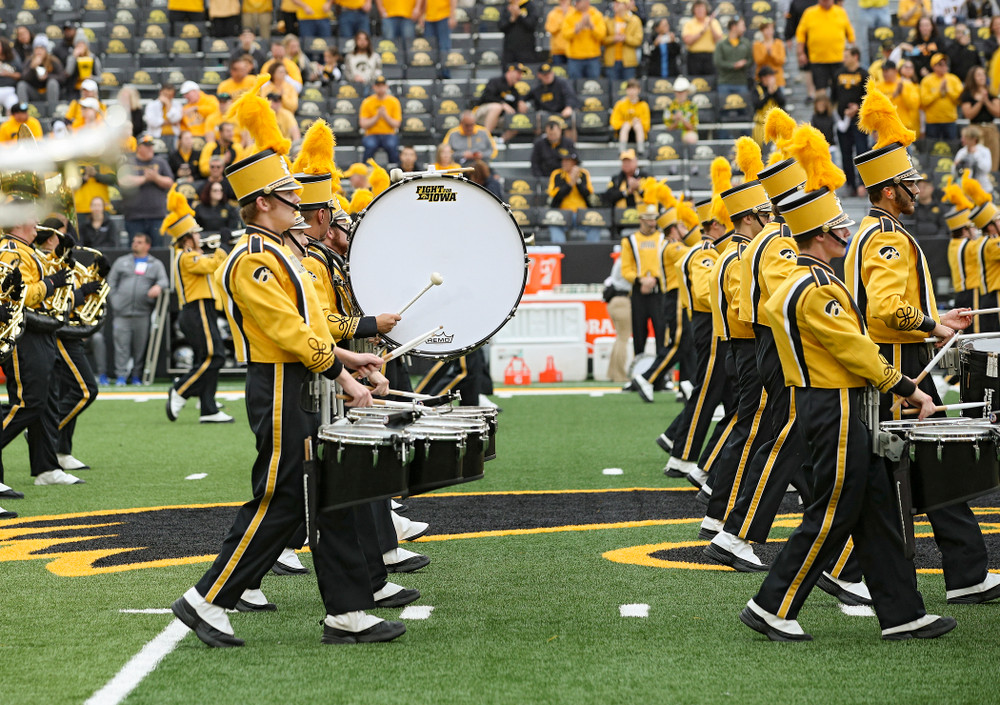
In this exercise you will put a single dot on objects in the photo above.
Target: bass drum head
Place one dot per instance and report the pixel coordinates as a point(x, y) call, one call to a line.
point(446, 225)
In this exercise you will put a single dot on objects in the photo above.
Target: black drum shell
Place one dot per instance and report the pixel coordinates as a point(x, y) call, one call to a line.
point(487, 414)
point(977, 358)
point(957, 477)
point(355, 473)
point(437, 463)
point(476, 441)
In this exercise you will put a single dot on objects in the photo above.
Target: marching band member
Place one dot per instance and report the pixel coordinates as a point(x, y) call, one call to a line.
point(29, 369)
point(827, 359)
point(750, 210)
point(984, 217)
point(963, 251)
point(887, 275)
point(281, 334)
point(193, 271)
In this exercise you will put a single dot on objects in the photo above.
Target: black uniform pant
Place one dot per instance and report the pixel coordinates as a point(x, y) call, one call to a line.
point(673, 314)
point(853, 498)
point(198, 323)
point(956, 530)
point(74, 388)
point(29, 379)
point(726, 474)
point(265, 525)
point(469, 375)
point(647, 308)
point(990, 322)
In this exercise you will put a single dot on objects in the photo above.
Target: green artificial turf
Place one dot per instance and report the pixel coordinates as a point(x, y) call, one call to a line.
point(517, 619)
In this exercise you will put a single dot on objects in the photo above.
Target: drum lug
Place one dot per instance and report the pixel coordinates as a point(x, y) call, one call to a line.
point(975, 447)
point(375, 456)
point(913, 452)
point(340, 453)
point(940, 450)
point(461, 449)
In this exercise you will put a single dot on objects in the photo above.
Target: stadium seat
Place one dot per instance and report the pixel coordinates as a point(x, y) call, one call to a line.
point(416, 128)
point(344, 106)
point(421, 65)
point(345, 129)
point(443, 123)
point(593, 126)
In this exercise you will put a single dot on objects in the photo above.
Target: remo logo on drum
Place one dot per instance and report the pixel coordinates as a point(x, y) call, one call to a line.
point(436, 193)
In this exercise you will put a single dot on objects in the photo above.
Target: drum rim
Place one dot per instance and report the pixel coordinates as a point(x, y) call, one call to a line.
point(382, 433)
point(435, 433)
point(952, 435)
point(524, 277)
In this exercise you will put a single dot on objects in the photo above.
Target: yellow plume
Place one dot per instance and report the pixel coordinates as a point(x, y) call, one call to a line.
point(687, 214)
point(177, 208)
point(648, 186)
point(722, 175)
point(379, 178)
point(974, 190)
point(665, 195)
point(254, 115)
point(360, 200)
point(748, 158)
point(778, 125)
point(878, 114)
point(316, 155)
point(345, 205)
point(954, 194)
point(720, 212)
point(810, 149)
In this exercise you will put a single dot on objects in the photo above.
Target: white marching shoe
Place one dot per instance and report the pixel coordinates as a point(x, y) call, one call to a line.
point(288, 563)
point(57, 477)
point(175, 402)
point(407, 530)
point(217, 417)
point(68, 462)
point(209, 622)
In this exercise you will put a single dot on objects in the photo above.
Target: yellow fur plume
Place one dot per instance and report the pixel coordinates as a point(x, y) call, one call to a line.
point(648, 186)
point(748, 158)
point(254, 115)
point(810, 149)
point(687, 214)
point(316, 155)
point(878, 114)
point(379, 178)
point(954, 194)
point(720, 212)
point(345, 205)
point(778, 125)
point(177, 208)
point(722, 175)
point(665, 195)
point(974, 190)
point(360, 200)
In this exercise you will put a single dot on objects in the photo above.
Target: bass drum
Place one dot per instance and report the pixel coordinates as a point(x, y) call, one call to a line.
point(448, 225)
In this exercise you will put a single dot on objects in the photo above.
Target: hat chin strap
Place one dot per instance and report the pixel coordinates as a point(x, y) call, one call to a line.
point(907, 191)
point(275, 196)
point(829, 231)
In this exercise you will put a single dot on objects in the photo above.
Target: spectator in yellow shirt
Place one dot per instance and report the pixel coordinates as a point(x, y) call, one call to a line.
point(570, 189)
point(354, 18)
point(700, 35)
point(257, 16)
point(584, 29)
point(197, 108)
point(939, 95)
point(399, 18)
point(280, 56)
point(622, 39)
point(181, 12)
point(630, 118)
point(557, 40)
point(314, 19)
point(909, 12)
point(280, 84)
point(19, 116)
point(380, 117)
point(74, 113)
point(241, 78)
point(821, 37)
point(438, 17)
point(904, 94)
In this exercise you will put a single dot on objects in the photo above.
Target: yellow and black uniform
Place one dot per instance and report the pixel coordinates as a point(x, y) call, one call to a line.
point(29, 368)
point(966, 277)
point(672, 254)
point(988, 255)
point(196, 294)
point(887, 275)
point(642, 256)
point(827, 358)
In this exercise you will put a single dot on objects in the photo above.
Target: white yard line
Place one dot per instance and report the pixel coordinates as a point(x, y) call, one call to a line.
point(612, 471)
point(140, 665)
point(857, 610)
point(149, 610)
point(416, 612)
point(635, 610)
point(196, 476)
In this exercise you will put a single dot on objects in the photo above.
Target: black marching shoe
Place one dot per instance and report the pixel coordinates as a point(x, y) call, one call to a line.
point(931, 630)
point(202, 629)
point(757, 623)
point(383, 631)
point(399, 599)
point(725, 557)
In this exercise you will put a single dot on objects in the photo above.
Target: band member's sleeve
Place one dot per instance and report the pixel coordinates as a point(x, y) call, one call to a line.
point(629, 265)
point(202, 264)
point(258, 279)
point(887, 263)
point(832, 320)
point(35, 288)
point(778, 261)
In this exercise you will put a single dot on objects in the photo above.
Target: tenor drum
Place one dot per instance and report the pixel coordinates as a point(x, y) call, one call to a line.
point(380, 415)
point(451, 226)
point(476, 442)
point(438, 457)
point(978, 362)
point(362, 464)
point(484, 413)
point(952, 464)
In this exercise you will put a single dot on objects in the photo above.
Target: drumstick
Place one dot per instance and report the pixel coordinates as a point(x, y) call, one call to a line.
point(949, 407)
point(385, 402)
point(930, 366)
point(967, 336)
point(419, 340)
point(411, 395)
point(982, 311)
point(436, 280)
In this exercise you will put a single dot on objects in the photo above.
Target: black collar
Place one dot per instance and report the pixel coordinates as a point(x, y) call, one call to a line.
point(807, 260)
point(259, 230)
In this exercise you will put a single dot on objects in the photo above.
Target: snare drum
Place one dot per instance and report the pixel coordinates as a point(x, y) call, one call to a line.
point(485, 413)
point(380, 415)
point(951, 464)
point(979, 361)
point(444, 224)
point(362, 464)
point(438, 457)
point(477, 441)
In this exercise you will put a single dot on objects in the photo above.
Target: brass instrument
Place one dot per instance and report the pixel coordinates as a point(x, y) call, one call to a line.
point(210, 242)
point(53, 312)
point(86, 318)
point(10, 331)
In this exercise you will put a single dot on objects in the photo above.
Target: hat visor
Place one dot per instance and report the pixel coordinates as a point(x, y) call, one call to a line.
point(910, 175)
point(841, 221)
point(287, 183)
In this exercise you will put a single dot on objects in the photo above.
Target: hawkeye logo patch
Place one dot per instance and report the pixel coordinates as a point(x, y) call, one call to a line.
point(789, 254)
point(888, 253)
point(833, 308)
point(436, 194)
point(261, 275)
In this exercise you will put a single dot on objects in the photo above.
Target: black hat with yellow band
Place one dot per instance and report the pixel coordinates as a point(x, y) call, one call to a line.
point(180, 221)
point(704, 211)
point(816, 210)
point(888, 163)
point(984, 211)
point(266, 172)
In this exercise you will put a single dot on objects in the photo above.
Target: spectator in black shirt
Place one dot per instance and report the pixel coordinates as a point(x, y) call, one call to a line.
point(848, 91)
point(408, 160)
point(981, 108)
point(500, 97)
point(625, 189)
point(518, 21)
point(963, 54)
point(63, 49)
point(928, 214)
point(663, 51)
point(547, 150)
point(97, 230)
point(213, 213)
point(925, 42)
point(184, 154)
point(247, 45)
point(554, 96)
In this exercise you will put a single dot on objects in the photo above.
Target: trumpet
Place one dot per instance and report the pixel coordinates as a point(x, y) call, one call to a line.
point(12, 329)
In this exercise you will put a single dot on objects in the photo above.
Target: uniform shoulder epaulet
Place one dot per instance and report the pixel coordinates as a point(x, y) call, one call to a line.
point(820, 275)
point(255, 244)
point(888, 224)
point(706, 245)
